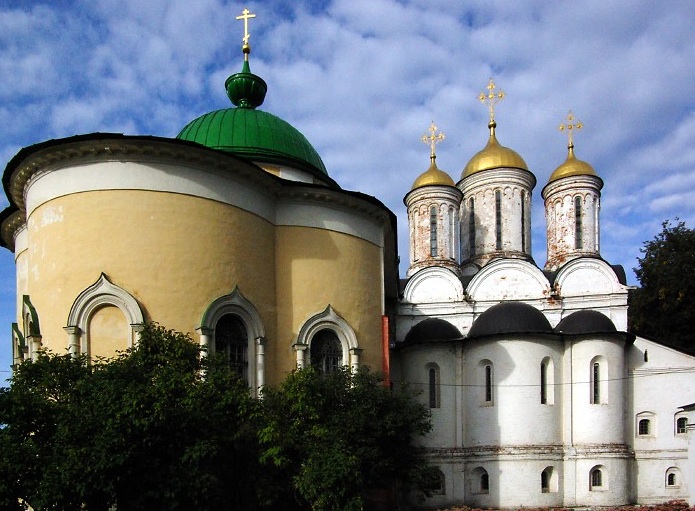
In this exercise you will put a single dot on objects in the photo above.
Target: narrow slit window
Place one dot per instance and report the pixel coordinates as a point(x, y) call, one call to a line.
point(523, 221)
point(433, 231)
point(578, 243)
point(471, 226)
point(498, 220)
point(488, 384)
point(596, 383)
point(544, 384)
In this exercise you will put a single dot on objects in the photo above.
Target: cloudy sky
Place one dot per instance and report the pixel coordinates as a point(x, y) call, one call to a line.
point(362, 79)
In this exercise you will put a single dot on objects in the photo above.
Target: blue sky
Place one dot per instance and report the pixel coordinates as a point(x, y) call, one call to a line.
point(362, 79)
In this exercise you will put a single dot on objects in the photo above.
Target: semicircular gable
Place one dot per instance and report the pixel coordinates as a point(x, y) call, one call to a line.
point(433, 285)
point(508, 279)
point(587, 276)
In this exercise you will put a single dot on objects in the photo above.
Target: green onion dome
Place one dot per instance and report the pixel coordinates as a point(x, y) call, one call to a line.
point(251, 133)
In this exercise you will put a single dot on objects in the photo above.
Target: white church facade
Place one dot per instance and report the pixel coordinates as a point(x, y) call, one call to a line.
point(539, 394)
point(235, 233)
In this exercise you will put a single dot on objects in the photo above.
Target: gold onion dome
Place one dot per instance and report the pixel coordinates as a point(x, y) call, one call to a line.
point(493, 156)
point(433, 177)
point(572, 167)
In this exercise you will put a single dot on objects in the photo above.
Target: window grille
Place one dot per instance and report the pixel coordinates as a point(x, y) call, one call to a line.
point(231, 340)
point(326, 352)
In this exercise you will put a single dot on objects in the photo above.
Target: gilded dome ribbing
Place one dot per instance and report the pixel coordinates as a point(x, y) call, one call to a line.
point(493, 156)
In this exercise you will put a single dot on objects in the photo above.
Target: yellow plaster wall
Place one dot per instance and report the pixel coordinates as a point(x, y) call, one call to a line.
point(174, 253)
point(316, 268)
point(109, 332)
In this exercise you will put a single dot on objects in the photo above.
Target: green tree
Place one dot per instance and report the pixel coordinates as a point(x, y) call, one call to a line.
point(157, 427)
point(334, 438)
point(663, 307)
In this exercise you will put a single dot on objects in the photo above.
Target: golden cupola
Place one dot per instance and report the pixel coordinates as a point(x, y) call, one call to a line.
point(496, 204)
point(433, 176)
point(494, 155)
point(572, 204)
point(572, 167)
point(433, 204)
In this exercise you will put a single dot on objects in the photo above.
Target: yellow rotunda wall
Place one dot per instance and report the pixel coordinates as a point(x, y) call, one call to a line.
point(173, 253)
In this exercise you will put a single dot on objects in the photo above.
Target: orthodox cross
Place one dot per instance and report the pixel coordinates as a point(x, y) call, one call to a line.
point(433, 138)
point(491, 98)
point(246, 15)
point(570, 127)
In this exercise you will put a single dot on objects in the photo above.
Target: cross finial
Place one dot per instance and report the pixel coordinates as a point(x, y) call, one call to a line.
point(570, 127)
point(491, 98)
point(246, 16)
point(433, 138)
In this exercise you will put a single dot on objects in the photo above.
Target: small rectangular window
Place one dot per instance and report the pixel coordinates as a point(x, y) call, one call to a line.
point(544, 385)
point(578, 242)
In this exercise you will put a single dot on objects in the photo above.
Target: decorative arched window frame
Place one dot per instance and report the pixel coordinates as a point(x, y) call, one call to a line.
point(672, 478)
point(330, 320)
point(101, 293)
point(31, 329)
point(645, 424)
point(237, 304)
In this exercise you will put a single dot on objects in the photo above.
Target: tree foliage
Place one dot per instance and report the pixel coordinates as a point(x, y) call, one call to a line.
point(663, 308)
point(155, 428)
point(338, 436)
point(161, 427)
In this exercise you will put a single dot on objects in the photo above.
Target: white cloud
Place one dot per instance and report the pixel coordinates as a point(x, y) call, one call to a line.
point(362, 79)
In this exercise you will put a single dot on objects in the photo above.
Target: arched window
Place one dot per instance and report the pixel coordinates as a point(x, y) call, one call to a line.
point(681, 425)
point(232, 342)
point(480, 480)
point(498, 220)
point(326, 352)
point(523, 220)
point(486, 382)
point(433, 231)
point(547, 381)
point(673, 477)
point(596, 479)
point(433, 385)
point(645, 424)
point(548, 480)
point(228, 322)
point(578, 242)
point(452, 233)
point(484, 483)
point(545, 483)
point(644, 427)
point(321, 327)
point(544, 384)
point(436, 483)
point(598, 381)
point(108, 312)
point(471, 226)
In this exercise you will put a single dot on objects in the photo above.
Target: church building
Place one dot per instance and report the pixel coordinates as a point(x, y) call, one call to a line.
point(235, 233)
